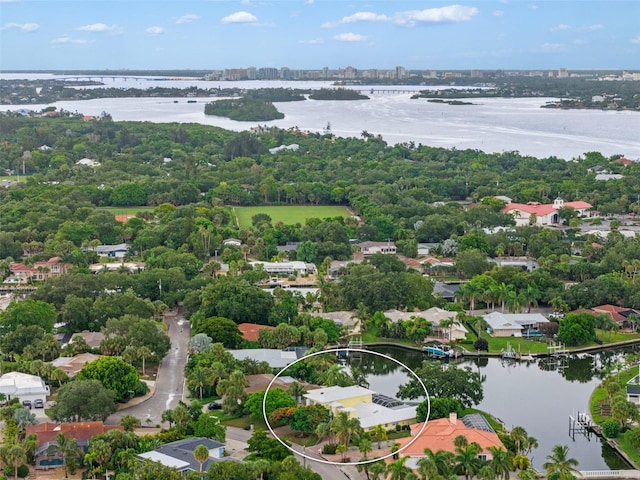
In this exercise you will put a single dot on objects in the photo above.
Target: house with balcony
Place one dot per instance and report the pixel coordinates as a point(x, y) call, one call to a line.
point(22, 274)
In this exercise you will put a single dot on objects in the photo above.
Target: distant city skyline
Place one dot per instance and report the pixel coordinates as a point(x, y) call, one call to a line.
point(309, 34)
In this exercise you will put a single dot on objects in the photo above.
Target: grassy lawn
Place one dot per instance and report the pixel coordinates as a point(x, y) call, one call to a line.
point(127, 210)
point(289, 215)
point(495, 424)
point(398, 434)
point(522, 345)
point(612, 337)
point(371, 336)
point(306, 440)
point(629, 449)
point(243, 422)
point(13, 178)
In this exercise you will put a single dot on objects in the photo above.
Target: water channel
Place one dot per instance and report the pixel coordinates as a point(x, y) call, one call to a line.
point(539, 395)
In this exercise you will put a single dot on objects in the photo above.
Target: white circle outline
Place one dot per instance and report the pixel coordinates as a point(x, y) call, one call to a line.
point(336, 350)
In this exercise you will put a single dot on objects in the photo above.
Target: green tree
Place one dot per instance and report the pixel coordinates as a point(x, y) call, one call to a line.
point(67, 448)
point(344, 428)
point(559, 465)
point(130, 423)
point(83, 400)
point(307, 251)
point(233, 389)
point(220, 330)
point(462, 384)
point(201, 454)
point(25, 313)
point(397, 470)
point(380, 434)
point(467, 460)
point(501, 462)
point(114, 373)
point(276, 398)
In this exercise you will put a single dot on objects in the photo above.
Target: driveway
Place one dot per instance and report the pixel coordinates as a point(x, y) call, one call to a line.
point(169, 388)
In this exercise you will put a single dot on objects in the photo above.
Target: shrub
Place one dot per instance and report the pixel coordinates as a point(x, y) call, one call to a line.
point(23, 471)
point(610, 428)
point(481, 344)
point(141, 389)
point(329, 448)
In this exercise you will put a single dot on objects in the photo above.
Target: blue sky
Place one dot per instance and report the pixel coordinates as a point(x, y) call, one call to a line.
point(216, 34)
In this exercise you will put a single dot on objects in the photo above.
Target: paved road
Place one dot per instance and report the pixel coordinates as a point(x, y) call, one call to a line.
point(170, 380)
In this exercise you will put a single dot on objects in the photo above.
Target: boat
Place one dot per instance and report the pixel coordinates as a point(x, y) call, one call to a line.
point(439, 350)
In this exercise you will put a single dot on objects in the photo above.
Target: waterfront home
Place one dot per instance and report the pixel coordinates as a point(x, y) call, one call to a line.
point(513, 324)
point(620, 315)
point(274, 357)
point(369, 407)
point(544, 214)
point(633, 390)
point(21, 273)
point(286, 268)
point(47, 454)
point(440, 434)
point(433, 315)
point(179, 454)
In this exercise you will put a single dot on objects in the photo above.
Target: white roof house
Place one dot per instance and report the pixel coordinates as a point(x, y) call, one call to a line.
point(368, 407)
point(23, 386)
point(512, 324)
point(88, 162)
point(286, 268)
point(433, 315)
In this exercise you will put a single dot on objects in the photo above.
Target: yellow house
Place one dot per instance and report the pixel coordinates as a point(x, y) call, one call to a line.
point(366, 405)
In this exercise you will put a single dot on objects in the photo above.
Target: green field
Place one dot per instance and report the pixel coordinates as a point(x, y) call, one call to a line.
point(288, 214)
point(13, 178)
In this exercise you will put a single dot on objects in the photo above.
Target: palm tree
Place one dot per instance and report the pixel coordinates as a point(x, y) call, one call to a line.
point(15, 456)
point(233, 389)
point(559, 464)
point(144, 352)
point(530, 297)
point(344, 428)
point(467, 460)
point(101, 451)
point(501, 462)
point(199, 379)
point(296, 391)
point(447, 323)
point(365, 446)
point(23, 419)
point(501, 292)
point(66, 448)
point(519, 437)
point(397, 470)
point(442, 460)
point(130, 354)
point(427, 467)
point(201, 454)
point(380, 434)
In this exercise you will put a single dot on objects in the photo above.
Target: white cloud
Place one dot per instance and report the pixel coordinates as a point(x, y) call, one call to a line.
point(533, 7)
point(498, 13)
point(187, 18)
point(68, 41)
point(450, 14)
point(358, 17)
point(23, 27)
point(309, 2)
point(411, 18)
point(240, 17)
point(155, 30)
point(552, 47)
point(349, 37)
point(561, 27)
point(635, 40)
point(313, 41)
point(99, 28)
point(593, 28)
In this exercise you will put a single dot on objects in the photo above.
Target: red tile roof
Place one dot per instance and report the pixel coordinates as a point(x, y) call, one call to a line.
point(439, 435)
point(542, 209)
point(81, 431)
point(250, 331)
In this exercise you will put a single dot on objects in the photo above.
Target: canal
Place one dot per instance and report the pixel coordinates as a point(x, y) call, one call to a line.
point(539, 395)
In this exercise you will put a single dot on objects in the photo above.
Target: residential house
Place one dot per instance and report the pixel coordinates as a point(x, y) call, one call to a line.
point(528, 264)
point(93, 339)
point(46, 455)
point(633, 390)
point(448, 291)
point(544, 214)
point(287, 268)
point(21, 273)
point(113, 251)
point(88, 162)
point(605, 177)
point(371, 248)
point(23, 386)
point(179, 454)
point(431, 265)
point(440, 434)
point(434, 315)
point(131, 267)
point(620, 315)
point(274, 357)
point(513, 324)
point(425, 248)
point(370, 408)
point(72, 365)
point(251, 331)
point(232, 242)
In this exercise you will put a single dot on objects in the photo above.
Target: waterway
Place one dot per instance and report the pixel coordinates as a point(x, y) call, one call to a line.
point(490, 124)
point(539, 396)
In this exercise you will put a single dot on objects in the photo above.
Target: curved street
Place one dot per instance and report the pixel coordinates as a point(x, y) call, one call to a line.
point(169, 387)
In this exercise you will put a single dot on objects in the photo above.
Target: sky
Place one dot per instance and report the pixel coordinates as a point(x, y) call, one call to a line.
point(311, 34)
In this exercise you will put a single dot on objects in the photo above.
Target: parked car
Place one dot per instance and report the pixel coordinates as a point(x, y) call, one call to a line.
point(214, 406)
point(39, 403)
point(26, 404)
